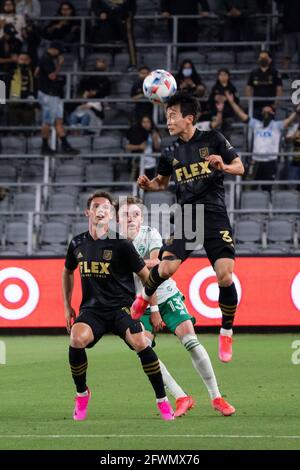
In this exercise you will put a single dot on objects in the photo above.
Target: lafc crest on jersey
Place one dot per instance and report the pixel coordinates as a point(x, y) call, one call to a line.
point(107, 255)
point(204, 152)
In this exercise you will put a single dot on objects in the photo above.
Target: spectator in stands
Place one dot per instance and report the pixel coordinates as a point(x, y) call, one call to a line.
point(143, 108)
point(188, 80)
point(291, 29)
point(88, 114)
point(100, 83)
point(10, 47)
point(265, 81)
point(266, 139)
point(8, 16)
point(293, 167)
point(115, 22)
point(28, 8)
point(21, 85)
point(187, 28)
point(143, 138)
point(49, 95)
point(217, 95)
point(3, 193)
point(208, 120)
point(65, 30)
point(237, 21)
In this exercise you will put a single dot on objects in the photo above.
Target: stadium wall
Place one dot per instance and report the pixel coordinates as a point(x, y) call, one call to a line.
point(268, 288)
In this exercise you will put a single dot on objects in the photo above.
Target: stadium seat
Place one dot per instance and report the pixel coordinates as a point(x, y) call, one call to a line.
point(246, 57)
point(286, 200)
point(90, 62)
point(16, 237)
point(248, 236)
point(161, 197)
point(83, 143)
point(24, 202)
point(221, 58)
point(8, 174)
point(53, 237)
point(13, 145)
point(5, 205)
point(79, 227)
point(155, 58)
point(62, 202)
point(68, 173)
point(194, 56)
point(49, 7)
point(32, 173)
point(102, 172)
point(280, 236)
point(255, 200)
point(106, 144)
point(34, 145)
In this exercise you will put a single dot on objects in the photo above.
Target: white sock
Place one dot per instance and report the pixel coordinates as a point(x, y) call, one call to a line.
point(83, 394)
point(160, 400)
point(202, 364)
point(224, 332)
point(170, 383)
point(144, 295)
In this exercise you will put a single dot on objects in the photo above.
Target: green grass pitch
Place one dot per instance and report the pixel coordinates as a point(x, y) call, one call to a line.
point(36, 397)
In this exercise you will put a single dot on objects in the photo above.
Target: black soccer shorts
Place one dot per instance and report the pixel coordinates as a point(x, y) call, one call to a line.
point(116, 321)
point(218, 239)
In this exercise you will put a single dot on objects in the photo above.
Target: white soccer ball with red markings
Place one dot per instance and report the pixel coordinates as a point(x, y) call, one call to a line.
point(159, 86)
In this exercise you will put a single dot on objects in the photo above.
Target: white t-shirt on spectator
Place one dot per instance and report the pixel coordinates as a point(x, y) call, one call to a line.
point(265, 139)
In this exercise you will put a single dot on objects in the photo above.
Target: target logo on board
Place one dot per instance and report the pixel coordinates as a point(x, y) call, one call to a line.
point(19, 293)
point(295, 291)
point(204, 292)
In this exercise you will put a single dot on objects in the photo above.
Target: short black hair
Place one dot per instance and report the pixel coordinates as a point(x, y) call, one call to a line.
point(99, 193)
point(188, 104)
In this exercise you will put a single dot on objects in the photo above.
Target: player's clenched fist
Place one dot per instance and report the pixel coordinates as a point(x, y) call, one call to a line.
point(143, 182)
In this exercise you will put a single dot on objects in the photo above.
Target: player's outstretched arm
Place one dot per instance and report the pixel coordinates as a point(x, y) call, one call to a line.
point(67, 288)
point(159, 183)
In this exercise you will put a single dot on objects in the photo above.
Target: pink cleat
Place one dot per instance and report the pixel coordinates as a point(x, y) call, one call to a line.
point(138, 307)
point(225, 348)
point(165, 410)
point(81, 406)
point(184, 404)
point(221, 405)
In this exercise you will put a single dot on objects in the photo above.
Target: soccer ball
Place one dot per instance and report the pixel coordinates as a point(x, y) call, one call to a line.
point(159, 86)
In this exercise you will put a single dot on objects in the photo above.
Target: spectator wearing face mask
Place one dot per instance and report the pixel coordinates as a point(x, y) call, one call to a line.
point(265, 81)
point(141, 108)
point(188, 80)
point(267, 134)
point(21, 85)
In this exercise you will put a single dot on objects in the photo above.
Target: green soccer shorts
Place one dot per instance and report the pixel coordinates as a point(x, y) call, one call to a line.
point(173, 312)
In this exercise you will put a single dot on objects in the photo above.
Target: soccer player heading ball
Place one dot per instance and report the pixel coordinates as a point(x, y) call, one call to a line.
point(197, 160)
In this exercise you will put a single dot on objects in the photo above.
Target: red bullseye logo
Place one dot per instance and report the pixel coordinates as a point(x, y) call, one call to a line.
point(295, 291)
point(204, 292)
point(19, 293)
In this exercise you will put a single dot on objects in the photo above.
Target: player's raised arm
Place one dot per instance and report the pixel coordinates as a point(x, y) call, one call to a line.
point(159, 183)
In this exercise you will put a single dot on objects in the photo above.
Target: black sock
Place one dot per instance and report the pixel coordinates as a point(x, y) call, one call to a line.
point(64, 141)
point(154, 281)
point(151, 367)
point(228, 302)
point(78, 363)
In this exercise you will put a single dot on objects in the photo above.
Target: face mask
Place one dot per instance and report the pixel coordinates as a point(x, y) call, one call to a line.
point(263, 62)
point(187, 72)
point(267, 118)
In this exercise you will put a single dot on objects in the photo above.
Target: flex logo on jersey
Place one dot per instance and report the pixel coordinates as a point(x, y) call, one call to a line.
point(192, 170)
point(93, 267)
point(107, 255)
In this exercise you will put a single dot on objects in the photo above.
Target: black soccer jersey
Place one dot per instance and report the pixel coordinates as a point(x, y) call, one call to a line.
point(106, 268)
point(196, 180)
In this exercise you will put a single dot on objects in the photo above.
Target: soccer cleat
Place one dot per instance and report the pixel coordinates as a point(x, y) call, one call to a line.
point(81, 406)
point(165, 410)
point(225, 348)
point(221, 405)
point(184, 404)
point(138, 307)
